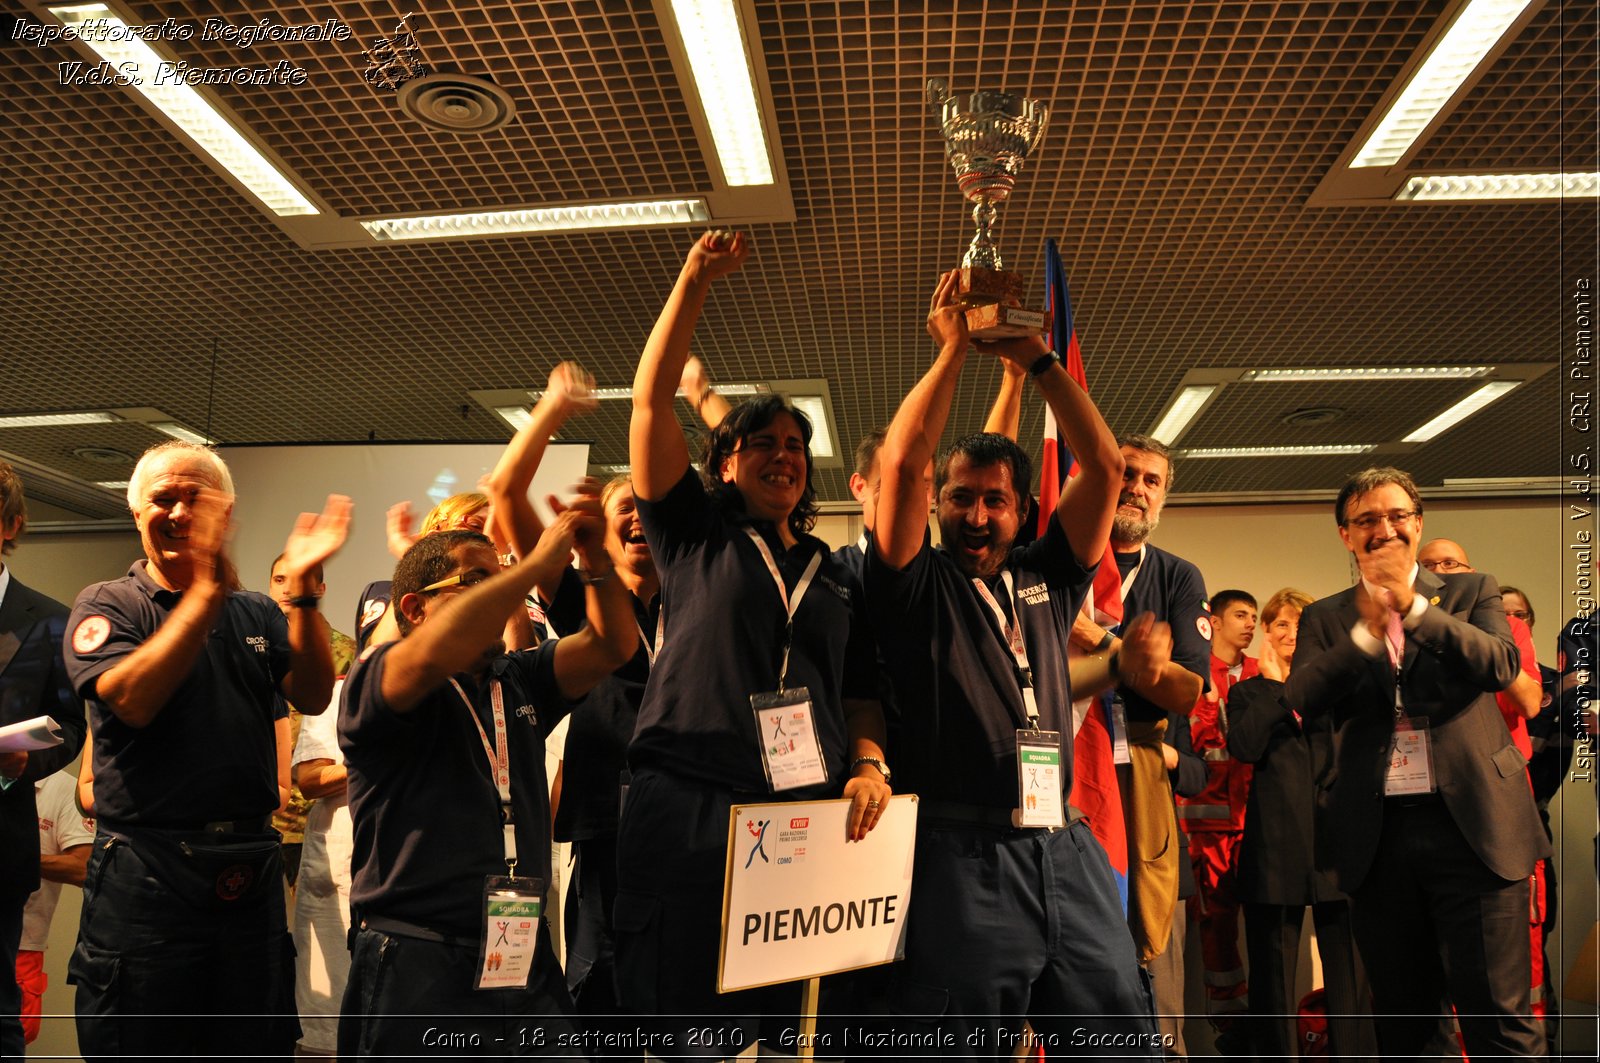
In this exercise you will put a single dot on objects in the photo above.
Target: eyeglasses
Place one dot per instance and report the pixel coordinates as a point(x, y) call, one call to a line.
point(1521, 614)
point(1370, 521)
point(1448, 564)
point(460, 579)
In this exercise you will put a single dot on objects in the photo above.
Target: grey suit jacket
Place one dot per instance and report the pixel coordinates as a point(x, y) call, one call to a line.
point(1458, 655)
point(33, 682)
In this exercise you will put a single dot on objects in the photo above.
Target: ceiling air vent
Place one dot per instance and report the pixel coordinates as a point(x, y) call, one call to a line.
point(456, 103)
point(1313, 415)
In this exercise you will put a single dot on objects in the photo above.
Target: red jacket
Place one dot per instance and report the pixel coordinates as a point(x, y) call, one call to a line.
point(1220, 806)
point(1516, 723)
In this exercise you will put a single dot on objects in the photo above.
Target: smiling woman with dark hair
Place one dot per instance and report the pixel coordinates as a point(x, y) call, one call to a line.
point(757, 614)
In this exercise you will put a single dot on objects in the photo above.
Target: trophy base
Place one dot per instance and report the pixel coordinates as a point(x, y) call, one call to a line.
point(994, 304)
point(978, 284)
point(991, 321)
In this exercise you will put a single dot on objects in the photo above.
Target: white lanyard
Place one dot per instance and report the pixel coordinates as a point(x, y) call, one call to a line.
point(1012, 634)
point(790, 604)
point(652, 648)
point(1127, 581)
point(499, 763)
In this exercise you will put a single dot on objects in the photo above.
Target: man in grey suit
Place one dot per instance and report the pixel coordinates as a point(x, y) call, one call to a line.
point(33, 682)
point(1432, 829)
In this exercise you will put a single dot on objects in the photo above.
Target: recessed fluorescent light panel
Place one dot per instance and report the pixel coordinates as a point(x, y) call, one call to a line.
point(1462, 410)
point(1184, 409)
point(1442, 187)
point(1277, 452)
point(541, 220)
point(515, 416)
point(816, 411)
point(1386, 372)
point(112, 485)
point(722, 76)
point(160, 82)
point(178, 431)
point(1456, 55)
point(614, 394)
point(51, 420)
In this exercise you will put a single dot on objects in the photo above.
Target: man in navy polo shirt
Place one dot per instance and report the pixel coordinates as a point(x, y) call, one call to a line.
point(183, 907)
point(1015, 914)
point(443, 736)
point(1172, 590)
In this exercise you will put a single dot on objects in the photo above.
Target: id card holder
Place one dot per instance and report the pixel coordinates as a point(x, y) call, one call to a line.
point(1410, 768)
point(1119, 732)
point(1039, 800)
point(791, 756)
point(512, 910)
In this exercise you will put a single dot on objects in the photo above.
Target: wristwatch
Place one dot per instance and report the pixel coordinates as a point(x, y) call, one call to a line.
point(883, 769)
point(1105, 642)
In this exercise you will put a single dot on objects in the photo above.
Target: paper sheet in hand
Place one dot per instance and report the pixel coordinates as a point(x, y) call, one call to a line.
point(41, 732)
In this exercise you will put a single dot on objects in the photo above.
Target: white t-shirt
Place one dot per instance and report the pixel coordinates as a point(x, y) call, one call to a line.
point(327, 849)
point(61, 826)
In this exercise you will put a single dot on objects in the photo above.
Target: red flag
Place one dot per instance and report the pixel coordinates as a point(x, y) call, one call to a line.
point(1094, 771)
point(1057, 465)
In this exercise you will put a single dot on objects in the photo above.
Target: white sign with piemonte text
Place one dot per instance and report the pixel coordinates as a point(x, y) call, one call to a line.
point(800, 901)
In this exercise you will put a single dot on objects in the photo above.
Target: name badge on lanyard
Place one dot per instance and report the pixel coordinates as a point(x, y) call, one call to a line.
point(512, 906)
point(1039, 780)
point(1410, 769)
point(512, 910)
point(786, 729)
point(1039, 775)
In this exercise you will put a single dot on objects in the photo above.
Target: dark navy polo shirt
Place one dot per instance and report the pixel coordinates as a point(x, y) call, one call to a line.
point(602, 722)
point(1173, 590)
point(424, 811)
point(210, 753)
point(854, 557)
point(954, 676)
point(724, 642)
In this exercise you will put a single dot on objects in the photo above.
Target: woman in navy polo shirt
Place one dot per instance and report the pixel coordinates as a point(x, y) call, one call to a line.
point(754, 605)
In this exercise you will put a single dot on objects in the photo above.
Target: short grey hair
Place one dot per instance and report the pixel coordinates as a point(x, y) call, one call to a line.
point(221, 477)
point(1150, 445)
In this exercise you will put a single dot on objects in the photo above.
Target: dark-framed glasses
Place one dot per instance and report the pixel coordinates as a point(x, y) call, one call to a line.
point(1370, 521)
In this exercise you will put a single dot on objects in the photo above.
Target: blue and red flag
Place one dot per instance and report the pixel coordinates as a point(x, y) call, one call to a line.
point(1094, 772)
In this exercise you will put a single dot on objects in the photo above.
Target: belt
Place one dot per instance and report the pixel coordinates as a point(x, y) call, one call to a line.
point(250, 825)
point(985, 816)
point(400, 928)
point(1412, 800)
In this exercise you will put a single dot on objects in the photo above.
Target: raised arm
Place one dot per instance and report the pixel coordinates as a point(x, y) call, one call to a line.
point(656, 447)
point(697, 388)
point(1006, 413)
point(611, 636)
point(314, 540)
point(137, 687)
point(456, 638)
point(568, 393)
point(913, 435)
point(1089, 501)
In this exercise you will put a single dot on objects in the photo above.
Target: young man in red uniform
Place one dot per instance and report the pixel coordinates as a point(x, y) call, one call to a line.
point(1214, 818)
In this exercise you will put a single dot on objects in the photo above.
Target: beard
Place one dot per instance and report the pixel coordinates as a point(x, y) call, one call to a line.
point(992, 561)
point(1126, 529)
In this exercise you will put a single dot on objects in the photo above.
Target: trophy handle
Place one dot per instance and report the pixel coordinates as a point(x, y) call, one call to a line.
point(1043, 112)
point(938, 92)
